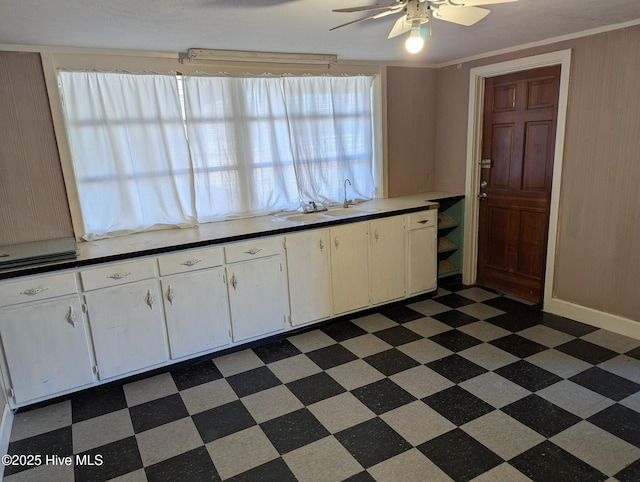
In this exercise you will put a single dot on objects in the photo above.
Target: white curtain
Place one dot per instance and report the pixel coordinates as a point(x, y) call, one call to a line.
point(129, 151)
point(331, 124)
point(239, 141)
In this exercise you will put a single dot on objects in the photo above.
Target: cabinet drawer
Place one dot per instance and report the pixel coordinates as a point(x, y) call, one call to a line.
point(190, 261)
point(37, 288)
point(117, 274)
point(423, 219)
point(257, 248)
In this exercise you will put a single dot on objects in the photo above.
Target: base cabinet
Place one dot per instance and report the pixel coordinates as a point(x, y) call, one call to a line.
point(422, 259)
point(309, 270)
point(257, 285)
point(350, 267)
point(127, 327)
point(387, 253)
point(46, 348)
point(197, 312)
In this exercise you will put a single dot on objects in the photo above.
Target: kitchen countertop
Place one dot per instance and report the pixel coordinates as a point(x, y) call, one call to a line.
point(166, 240)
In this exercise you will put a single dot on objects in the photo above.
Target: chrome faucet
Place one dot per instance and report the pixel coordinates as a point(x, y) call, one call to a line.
point(346, 202)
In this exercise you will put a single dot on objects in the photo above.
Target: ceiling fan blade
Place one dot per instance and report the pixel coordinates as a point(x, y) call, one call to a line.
point(377, 6)
point(466, 16)
point(401, 26)
point(476, 3)
point(377, 15)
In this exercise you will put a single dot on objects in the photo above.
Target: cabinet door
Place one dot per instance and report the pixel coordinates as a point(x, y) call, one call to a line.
point(388, 272)
point(422, 260)
point(257, 297)
point(127, 327)
point(46, 348)
point(197, 311)
point(309, 271)
point(350, 267)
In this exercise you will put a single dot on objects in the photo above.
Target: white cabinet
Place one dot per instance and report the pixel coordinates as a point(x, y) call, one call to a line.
point(387, 254)
point(125, 318)
point(195, 301)
point(257, 287)
point(422, 259)
point(309, 270)
point(45, 343)
point(350, 267)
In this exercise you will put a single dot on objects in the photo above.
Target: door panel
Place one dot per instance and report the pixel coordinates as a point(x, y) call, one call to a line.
point(520, 114)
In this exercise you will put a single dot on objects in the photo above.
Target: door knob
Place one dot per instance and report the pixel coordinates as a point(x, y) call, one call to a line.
point(482, 196)
point(484, 184)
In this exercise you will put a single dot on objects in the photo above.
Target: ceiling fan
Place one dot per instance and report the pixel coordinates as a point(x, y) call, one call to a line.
point(416, 14)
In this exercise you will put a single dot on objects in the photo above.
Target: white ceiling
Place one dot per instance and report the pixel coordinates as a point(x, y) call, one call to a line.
point(291, 26)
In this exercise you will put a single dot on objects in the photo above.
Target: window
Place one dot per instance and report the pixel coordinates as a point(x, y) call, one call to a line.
point(252, 145)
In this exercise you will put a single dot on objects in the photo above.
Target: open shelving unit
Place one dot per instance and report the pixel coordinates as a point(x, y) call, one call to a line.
point(450, 235)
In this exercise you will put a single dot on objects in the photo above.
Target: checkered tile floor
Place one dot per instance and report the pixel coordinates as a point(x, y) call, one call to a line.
point(466, 386)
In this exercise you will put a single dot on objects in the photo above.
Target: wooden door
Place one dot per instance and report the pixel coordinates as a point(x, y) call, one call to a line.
point(520, 112)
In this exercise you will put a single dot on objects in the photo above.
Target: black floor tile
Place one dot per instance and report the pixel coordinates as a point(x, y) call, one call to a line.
point(118, 458)
point(635, 353)
point(278, 350)
point(606, 383)
point(363, 476)
point(253, 381)
point(528, 375)
point(511, 305)
point(97, 401)
point(157, 412)
point(196, 374)
point(455, 340)
point(390, 362)
point(193, 466)
point(456, 368)
point(57, 442)
point(401, 314)
point(372, 442)
point(293, 430)
point(631, 473)
point(273, 471)
point(540, 415)
point(584, 350)
point(315, 388)
point(514, 321)
point(566, 325)
point(343, 330)
point(454, 318)
point(454, 300)
point(458, 405)
point(382, 396)
point(518, 345)
point(221, 421)
point(548, 462)
point(331, 356)
point(620, 421)
point(459, 455)
point(398, 335)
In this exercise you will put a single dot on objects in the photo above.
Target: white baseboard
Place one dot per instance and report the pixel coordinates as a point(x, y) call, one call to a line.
point(600, 319)
point(5, 432)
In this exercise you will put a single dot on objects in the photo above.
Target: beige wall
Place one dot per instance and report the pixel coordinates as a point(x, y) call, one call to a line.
point(411, 130)
point(598, 253)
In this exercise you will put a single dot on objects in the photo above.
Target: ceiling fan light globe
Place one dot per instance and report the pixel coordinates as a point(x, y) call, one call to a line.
point(415, 42)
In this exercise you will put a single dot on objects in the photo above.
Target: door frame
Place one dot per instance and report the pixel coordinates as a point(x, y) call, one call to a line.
point(474, 154)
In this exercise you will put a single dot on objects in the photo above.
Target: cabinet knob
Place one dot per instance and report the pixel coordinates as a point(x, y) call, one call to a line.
point(117, 276)
point(234, 281)
point(149, 299)
point(34, 291)
point(190, 262)
point(335, 241)
point(321, 245)
point(170, 295)
point(253, 251)
point(71, 317)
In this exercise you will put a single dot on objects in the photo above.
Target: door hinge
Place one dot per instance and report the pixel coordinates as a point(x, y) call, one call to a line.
point(96, 370)
point(288, 318)
point(11, 393)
